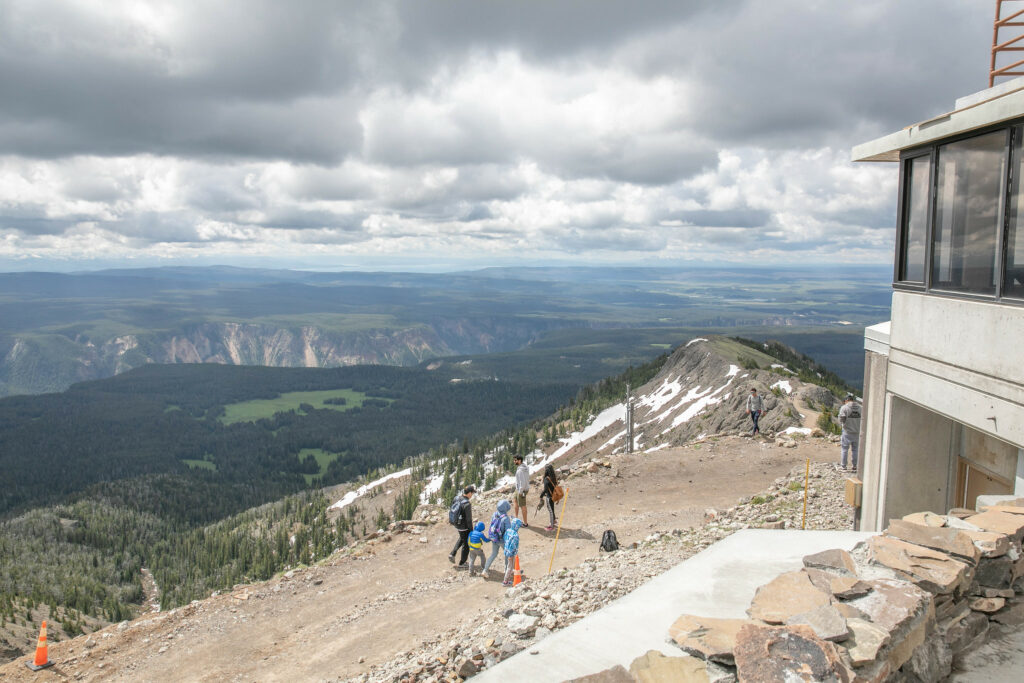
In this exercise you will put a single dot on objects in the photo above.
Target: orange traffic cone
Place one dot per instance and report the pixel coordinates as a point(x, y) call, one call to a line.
point(41, 661)
point(517, 574)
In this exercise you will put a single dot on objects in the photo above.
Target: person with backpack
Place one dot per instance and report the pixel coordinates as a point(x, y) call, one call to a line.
point(500, 523)
point(460, 515)
point(476, 547)
point(511, 546)
point(548, 495)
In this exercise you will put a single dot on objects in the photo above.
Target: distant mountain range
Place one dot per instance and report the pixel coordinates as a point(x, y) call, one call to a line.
point(57, 329)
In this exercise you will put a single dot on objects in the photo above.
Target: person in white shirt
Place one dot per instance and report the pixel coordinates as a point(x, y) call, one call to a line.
point(755, 406)
point(522, 488)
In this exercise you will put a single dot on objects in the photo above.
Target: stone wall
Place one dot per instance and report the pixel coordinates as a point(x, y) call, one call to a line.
point(900, 607)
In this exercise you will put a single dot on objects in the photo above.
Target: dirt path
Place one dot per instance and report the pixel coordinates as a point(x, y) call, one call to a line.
point(336, 619)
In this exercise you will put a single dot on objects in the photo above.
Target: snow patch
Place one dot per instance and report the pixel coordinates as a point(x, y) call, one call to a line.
point(656, 448)
point(694, 341)
point(353, 496)
point(607, 417)
point(784, 385)
point(733, 371)
point(806, 431)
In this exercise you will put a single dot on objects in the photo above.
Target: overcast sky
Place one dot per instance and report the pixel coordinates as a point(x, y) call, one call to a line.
point(434, 134)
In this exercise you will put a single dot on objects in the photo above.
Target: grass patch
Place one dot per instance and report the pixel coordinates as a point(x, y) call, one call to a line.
point(200, 464)
point(251, 411)
point(172, 408)
point(795, 486)
point(323, 459)
point(662, 346)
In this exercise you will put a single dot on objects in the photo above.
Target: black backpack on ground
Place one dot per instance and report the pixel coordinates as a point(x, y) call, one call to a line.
point(608, 541)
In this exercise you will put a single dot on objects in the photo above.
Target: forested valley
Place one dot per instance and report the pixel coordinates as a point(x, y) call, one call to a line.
point(169, 468)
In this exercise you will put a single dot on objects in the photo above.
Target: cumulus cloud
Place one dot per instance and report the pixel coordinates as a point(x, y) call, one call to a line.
point(660, 130)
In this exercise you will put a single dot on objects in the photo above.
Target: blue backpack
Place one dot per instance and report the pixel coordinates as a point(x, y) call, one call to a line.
point(494, 531)
point(511, 543)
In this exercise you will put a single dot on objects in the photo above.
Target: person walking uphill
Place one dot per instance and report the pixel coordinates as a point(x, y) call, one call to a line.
point(849, 418)
point(755, 407)
point(547, 495)
point(499, 525)
point(461, 517)
point(522, 488)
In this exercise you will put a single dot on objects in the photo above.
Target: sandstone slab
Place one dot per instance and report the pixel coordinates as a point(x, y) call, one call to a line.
point(787, 653)
point(865, 641)
point(1001, 522)
point(654, 667)
point(961, 635)
point(903, 610)
point(707, 637)
point(989, 543)
point(934, 571)
point(943, 539)
point(785, 596)
point(987, 605)
point(926, 518)
point(826, 622)
point(616, 674)
point(931, 661)
point(834, 560)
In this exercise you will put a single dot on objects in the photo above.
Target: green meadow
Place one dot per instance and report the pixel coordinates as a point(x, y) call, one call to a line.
point(323, 459)
point(251, 411)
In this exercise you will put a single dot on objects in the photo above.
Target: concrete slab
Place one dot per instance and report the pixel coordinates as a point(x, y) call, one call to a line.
point(717, 582)
point(999, 660)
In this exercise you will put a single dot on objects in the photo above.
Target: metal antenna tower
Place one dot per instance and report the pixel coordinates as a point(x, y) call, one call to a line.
point(1014, 22)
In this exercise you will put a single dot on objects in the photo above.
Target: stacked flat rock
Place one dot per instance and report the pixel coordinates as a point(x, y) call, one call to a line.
point(901, 606)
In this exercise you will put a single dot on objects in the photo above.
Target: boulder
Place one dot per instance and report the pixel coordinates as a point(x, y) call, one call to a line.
point(930, 569)
point(522, 624)
point(787, 595)
point(707, 637)
point(835, 560)
point(654, 667)
point(467, 668)
point(826, 622)
point(1011, 616)
point(943, 539)
point(787, 653)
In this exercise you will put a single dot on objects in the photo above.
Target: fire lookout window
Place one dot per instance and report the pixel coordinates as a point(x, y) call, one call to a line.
point(969, 192)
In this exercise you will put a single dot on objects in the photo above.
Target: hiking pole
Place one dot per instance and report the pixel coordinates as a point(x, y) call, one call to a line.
point(561, 518)
point(807, 474)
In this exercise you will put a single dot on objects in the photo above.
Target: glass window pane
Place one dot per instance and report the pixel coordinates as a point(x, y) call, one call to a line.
point(970, 177)
point(1013, 284)
point(915, 219)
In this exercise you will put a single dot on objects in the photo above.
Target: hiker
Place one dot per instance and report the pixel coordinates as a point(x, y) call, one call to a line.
point(522, 488)
point(547, 494)
point(499, 525)
point(511, 547)
point(461, 516)
point(849, 418)
point(476, 547)
point(755, 407)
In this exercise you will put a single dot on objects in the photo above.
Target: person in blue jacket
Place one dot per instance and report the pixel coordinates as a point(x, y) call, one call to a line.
point(500, 523)
point(477, 537)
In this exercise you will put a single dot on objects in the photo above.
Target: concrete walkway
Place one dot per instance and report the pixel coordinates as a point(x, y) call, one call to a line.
point(717, 582)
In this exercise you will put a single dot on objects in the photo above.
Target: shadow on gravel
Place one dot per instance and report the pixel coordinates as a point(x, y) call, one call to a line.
point(566, 533)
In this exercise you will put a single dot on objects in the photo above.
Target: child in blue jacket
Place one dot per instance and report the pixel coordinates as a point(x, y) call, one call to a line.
point(511, 550)
point(476, 547)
